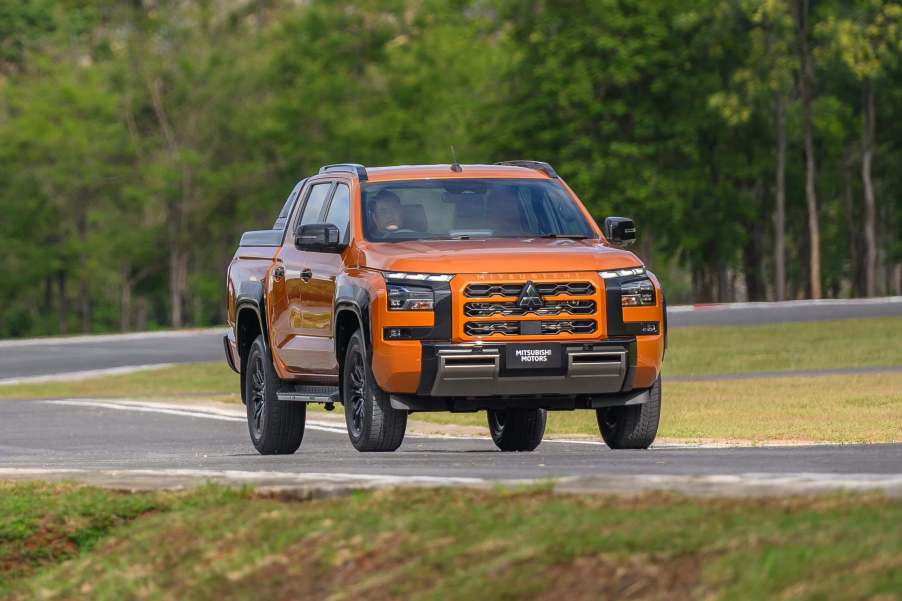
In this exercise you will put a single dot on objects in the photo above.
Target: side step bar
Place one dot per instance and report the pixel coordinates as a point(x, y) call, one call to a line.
point(307, 393)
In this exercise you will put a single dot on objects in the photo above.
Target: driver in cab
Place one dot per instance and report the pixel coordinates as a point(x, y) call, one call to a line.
point(386, 213)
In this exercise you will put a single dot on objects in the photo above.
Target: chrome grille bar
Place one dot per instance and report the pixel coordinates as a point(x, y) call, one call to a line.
point(513, 328)
point(573, 307)
point(544, 288)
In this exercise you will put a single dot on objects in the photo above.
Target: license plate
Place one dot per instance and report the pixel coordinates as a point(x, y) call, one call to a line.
point(533, 356)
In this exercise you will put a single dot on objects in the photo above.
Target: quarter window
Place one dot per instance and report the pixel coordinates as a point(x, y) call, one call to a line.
point(315, 201)
point(339, 210)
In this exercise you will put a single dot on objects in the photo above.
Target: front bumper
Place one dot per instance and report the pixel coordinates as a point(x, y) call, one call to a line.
point(480, 370)
point(473, 377)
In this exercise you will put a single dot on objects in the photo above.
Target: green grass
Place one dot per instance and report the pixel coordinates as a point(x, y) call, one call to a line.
point(781, 347)
point(214, 381)
point(44, 523)
point(865, 408)
point(214, 543)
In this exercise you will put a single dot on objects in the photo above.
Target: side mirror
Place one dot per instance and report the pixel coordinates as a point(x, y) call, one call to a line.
point(620, 230)
point(319, 237)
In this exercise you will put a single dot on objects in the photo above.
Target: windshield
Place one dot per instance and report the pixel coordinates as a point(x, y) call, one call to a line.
point(461, 209)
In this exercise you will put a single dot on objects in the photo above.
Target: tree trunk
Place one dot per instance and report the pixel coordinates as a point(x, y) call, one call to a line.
point(806, 85)
point(141, 314)
point(870, 203)
point(125, 300)
point(48, 295)
point(84, 292)
point(780, 213)
point(723, 284)
point(63, 304)
point(848, 199)
point(752, 261)
point(897, 279)
point(176, 294)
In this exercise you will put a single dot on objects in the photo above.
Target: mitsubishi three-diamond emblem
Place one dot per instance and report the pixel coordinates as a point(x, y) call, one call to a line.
point(530, 298)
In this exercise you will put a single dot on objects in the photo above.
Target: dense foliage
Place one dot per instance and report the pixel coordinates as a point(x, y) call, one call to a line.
point(754, 141)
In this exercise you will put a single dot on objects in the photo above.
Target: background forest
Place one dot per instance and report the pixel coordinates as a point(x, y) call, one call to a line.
point(757, 143)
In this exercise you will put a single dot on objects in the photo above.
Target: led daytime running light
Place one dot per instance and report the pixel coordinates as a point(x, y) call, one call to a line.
point(421, 277)
point(621, 273)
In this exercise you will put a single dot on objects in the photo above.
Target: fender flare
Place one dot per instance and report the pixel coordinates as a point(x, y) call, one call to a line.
point(252, 297)
point(351, 297)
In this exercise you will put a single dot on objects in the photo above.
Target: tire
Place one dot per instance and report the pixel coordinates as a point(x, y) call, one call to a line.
point(276, 427)
point(373, 424)
point(517, 429)
point(633, 427)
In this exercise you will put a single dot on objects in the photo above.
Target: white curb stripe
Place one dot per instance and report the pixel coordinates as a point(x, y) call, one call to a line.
point(56, 340)
point(76, 376)
point(249, 476)
point(203, 413)
point(237, 415)
point(742, 484)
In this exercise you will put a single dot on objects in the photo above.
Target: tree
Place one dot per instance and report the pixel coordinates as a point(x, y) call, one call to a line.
point(866, 38)
point(761, 84)
point(802, 14)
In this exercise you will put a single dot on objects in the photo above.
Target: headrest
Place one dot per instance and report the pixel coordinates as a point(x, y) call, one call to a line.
point(413, 217)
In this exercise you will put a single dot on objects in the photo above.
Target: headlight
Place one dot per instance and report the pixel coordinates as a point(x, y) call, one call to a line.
point(422, 277)
point(402, 297)
point(637, 294)
point(621, 273)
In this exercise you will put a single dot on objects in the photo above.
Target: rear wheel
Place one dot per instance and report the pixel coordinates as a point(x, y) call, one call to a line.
point(373, 424)
point(276, 427)
point(632, 427)
point(517, 429)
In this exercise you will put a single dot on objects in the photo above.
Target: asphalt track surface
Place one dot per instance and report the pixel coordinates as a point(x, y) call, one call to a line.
point(159, 443)
point(33, 358)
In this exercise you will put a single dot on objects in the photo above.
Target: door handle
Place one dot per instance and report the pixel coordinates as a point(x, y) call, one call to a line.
point(306, 274)
point(278, 272)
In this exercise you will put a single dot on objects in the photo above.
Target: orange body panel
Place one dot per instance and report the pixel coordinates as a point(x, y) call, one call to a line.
point(299, 316)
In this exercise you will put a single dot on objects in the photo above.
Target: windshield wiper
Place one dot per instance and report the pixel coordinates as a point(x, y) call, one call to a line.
point(564, 236)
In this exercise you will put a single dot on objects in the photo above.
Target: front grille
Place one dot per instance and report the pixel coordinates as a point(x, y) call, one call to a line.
point(544, 288)
point(515, 328)
point(573, 307)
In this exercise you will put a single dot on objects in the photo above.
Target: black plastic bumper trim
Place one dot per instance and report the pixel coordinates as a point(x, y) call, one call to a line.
point(429, 357)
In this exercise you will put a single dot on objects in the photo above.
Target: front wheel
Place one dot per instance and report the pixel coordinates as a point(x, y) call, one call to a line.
point(373, 424)
point(276, 427)
point(632, 427)
point(517, 429)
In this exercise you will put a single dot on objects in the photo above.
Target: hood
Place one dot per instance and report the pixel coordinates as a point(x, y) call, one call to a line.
point(495, 256)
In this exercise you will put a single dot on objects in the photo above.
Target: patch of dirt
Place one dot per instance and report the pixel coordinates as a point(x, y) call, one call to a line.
point(354, 569)
point(608, 577)
point(44, 544)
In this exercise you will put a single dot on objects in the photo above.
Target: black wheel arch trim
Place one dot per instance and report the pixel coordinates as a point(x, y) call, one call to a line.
point(252, 297)
point(352, 297)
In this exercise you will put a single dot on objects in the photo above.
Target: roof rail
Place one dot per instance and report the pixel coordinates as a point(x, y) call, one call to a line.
point(537, 165)
point(356, 168)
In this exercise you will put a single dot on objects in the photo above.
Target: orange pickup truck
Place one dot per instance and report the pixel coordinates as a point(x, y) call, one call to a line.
point(461, 288)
